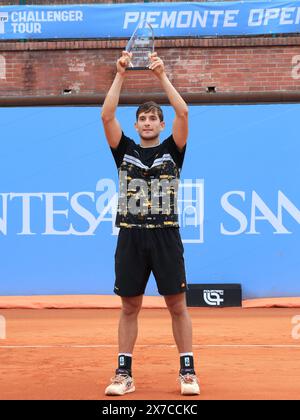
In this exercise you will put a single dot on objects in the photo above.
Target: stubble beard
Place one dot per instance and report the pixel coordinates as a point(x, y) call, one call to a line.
point(153, 137)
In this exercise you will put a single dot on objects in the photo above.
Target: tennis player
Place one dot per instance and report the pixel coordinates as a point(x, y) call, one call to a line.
point(149, 238)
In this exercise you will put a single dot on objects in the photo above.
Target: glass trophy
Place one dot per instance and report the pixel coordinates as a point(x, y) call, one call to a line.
point(141, 44)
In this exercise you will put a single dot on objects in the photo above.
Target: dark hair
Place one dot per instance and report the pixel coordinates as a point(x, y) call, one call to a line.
point(150, 107)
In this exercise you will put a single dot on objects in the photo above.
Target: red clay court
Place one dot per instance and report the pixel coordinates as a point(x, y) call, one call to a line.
point(65, 353)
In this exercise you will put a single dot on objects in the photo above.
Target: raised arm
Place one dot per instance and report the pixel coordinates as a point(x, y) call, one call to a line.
point(111, 125)
point(180, 124)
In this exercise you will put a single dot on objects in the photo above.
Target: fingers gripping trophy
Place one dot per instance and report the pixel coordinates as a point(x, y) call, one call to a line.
point(139, 52)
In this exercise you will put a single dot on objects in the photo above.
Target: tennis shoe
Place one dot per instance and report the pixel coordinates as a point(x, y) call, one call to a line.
point(120, 385)
point(189, 384)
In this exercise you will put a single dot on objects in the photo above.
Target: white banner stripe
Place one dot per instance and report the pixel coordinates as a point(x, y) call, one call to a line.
point(131, 159)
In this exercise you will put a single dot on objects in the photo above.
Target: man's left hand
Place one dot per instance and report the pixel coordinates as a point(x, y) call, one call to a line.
point(157, 65)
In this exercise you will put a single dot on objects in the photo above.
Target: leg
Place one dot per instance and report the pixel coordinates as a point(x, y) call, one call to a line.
point(181, 322)
point(182, 331)
point(128, 327)
point(123, 383)
point(169, 272)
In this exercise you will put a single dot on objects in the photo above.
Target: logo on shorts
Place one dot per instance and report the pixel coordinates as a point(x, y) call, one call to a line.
point(213, 297)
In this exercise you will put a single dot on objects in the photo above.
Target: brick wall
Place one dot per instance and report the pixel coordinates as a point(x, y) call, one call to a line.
point(82, 71)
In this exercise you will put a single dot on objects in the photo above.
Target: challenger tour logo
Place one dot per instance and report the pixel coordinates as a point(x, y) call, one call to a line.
point(3, 20)
point(31, 21)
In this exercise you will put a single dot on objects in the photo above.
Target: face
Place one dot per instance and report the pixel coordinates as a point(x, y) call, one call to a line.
point(149, 125)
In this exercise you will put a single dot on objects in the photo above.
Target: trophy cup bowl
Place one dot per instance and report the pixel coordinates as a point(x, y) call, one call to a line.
point(141, 45)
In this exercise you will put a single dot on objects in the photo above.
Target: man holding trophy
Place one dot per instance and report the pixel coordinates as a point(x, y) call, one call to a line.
point(149, 238)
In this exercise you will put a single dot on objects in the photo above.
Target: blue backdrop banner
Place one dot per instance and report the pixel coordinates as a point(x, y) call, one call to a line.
point(239, 201)
point(184, 19)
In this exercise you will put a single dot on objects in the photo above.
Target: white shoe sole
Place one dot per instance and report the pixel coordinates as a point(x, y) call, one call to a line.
point(111, 393)
point(190, 393)
point(187, 392)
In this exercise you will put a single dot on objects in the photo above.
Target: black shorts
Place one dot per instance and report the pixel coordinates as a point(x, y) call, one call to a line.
point(140, 251)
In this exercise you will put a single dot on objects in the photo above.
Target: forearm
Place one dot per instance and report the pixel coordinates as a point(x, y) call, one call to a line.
point(112, 98)
point(174, 97)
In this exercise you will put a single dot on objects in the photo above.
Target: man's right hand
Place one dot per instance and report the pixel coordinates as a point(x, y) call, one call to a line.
point(123, 62)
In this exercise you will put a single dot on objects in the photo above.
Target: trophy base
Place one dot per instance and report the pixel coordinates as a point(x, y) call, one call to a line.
point(137, 68)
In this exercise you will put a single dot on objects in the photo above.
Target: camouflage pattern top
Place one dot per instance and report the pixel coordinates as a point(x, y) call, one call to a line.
point(148, 183)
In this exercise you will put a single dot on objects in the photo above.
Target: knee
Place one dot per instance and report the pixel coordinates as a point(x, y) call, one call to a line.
point(130, 309)
point(177, 309)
